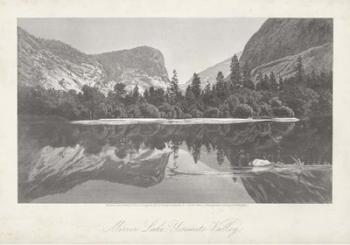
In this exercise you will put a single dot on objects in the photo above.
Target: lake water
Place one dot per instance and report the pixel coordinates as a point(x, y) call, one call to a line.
point(59, 162)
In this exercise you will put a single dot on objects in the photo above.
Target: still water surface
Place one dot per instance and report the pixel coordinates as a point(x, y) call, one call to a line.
point(59, 162)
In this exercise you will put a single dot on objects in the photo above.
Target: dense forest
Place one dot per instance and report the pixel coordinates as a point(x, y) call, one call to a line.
point(301, 95)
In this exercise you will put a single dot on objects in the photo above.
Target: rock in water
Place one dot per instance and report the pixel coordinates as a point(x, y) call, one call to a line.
point(260, 163)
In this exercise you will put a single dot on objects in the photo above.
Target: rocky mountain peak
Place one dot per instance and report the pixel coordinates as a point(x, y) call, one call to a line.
point(276, 46)
point(57, 65)
point(280, 37)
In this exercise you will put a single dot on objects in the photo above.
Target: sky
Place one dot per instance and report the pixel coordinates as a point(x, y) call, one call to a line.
point(188, 44)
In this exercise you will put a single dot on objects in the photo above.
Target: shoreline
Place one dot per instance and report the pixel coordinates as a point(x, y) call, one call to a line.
point(189, 121)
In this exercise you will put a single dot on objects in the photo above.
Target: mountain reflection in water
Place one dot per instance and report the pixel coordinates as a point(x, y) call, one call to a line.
point(61, 162)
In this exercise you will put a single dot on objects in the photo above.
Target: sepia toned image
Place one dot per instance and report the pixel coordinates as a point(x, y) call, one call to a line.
point(174, 110)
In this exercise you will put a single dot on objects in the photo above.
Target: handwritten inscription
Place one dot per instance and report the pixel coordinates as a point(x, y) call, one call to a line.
point(230, 226)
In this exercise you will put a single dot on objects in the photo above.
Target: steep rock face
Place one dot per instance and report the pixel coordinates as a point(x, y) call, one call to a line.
point(54, 64)
point(318, 59)
point(278, 38)
point(142, 66)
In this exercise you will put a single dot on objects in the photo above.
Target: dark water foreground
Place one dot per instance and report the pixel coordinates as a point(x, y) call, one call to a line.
point(152, 163)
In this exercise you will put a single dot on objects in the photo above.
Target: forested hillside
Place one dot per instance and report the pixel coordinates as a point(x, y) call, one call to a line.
point(302, 95)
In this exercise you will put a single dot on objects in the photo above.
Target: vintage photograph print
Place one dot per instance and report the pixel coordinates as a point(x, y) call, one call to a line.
point(175, 110)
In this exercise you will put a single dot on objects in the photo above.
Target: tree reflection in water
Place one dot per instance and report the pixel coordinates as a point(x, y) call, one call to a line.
point(138, 155)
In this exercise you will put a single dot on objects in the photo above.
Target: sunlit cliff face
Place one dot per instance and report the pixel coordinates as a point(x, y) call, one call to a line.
point(55, 65)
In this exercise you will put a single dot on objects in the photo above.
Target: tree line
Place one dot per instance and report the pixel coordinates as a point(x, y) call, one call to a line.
point(301, 95)
point(238, 143)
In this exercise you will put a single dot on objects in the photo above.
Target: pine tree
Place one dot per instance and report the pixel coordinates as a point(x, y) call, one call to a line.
point(207, 88)
point(259, 80)
point(221, 91)
point(119, 89)
point(247, 82)
point(188, 93)
point(265, 83)
point(246, 72)
point(190, 101)
point(299, 70)
point(146, 94)
point(273, 81)
point(207, 94)
point(174, 89)
point(235, 72)
point(135, 92)
point(196, 85)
